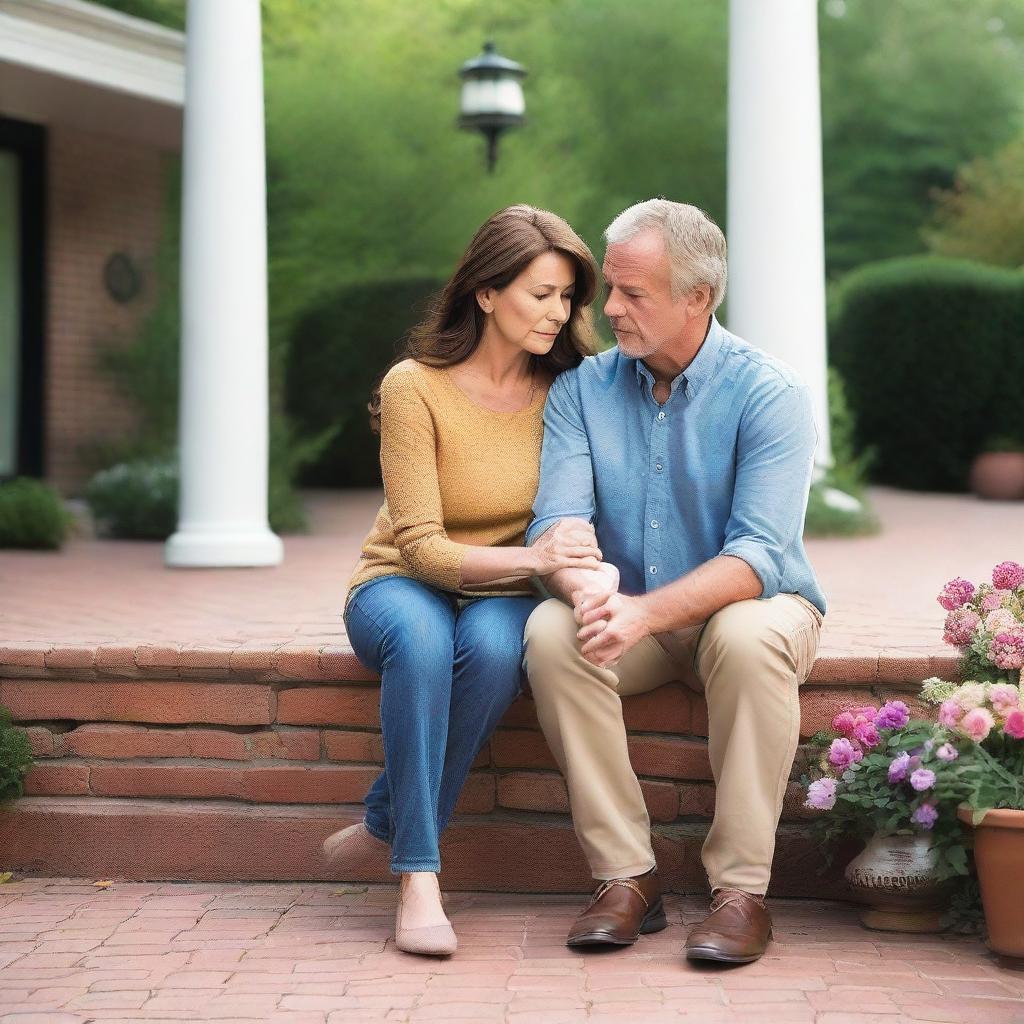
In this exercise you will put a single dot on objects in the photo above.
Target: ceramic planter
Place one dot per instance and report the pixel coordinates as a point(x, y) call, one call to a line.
point(895, 876)
point(999, 856)
point(998, 476)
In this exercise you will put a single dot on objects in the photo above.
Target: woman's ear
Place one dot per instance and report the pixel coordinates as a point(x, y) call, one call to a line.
point(485, 299)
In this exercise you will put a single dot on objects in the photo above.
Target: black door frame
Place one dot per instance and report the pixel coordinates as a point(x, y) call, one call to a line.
point(28, 141)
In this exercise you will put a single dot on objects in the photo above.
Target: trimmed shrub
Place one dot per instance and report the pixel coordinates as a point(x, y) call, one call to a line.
point(15, 757)
point(32, 515)
point(338, 350)
point(930, 351)
point(135, 500)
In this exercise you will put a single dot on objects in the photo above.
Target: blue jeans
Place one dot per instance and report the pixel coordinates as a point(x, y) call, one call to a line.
point(447, 676)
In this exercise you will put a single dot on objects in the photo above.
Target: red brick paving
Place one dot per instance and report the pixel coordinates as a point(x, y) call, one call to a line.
point(320, 954)
point(111, 606)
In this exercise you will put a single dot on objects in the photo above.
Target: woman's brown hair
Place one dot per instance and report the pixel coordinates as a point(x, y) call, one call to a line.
point(500, 251)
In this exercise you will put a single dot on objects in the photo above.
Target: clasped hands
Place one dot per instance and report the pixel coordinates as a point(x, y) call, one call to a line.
point(610, 623)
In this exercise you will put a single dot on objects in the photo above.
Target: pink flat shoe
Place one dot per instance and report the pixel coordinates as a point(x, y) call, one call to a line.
point(437, 940)
point(352, 844)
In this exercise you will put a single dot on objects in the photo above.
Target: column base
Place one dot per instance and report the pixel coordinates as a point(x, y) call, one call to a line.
point(222, 547)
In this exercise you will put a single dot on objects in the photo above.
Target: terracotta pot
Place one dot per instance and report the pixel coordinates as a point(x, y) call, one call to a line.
point(998, 476)
point(999, 854)
point(895, 876)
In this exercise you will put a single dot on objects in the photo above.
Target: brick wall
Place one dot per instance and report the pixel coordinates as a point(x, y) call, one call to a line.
point(105, 195)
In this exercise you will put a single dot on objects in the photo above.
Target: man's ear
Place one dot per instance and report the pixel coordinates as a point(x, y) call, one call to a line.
point(485, 299)
point(699, 301)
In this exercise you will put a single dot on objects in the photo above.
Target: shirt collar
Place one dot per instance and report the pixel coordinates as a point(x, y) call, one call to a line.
point(701, 368)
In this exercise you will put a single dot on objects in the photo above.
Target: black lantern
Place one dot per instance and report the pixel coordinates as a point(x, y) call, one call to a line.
point(492, 97)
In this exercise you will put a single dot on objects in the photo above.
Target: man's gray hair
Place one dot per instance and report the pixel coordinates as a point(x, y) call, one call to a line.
point(694, 242)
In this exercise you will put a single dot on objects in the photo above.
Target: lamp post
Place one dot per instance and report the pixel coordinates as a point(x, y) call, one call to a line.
point(492, 97)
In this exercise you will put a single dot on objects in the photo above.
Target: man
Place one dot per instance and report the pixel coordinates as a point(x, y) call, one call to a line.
point(691, 453)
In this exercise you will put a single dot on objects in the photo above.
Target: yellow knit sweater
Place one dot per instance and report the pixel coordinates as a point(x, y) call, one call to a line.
point(455, 474)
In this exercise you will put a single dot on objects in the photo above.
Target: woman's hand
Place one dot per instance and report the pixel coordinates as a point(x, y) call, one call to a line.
point(569, 544)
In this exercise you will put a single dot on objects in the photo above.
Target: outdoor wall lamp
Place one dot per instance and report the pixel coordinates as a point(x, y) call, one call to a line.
point(492, 97)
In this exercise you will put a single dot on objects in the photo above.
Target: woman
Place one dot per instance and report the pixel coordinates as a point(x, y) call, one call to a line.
point(441, 594)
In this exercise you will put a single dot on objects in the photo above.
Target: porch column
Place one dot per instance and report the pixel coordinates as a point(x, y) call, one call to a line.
point(776, 296)
point(223, 431)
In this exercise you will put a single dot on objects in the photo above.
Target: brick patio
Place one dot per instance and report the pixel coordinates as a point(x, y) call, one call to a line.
point(316, 954)
point(215, 725)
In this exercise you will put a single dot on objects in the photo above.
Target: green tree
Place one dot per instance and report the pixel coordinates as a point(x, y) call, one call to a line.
point(982, 216)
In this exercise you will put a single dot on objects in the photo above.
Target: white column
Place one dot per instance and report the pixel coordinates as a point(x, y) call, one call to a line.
point(776, 297)
point(224, 359)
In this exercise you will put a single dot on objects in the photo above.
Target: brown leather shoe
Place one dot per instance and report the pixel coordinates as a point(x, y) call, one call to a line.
point(735, 932)
point(620, 910)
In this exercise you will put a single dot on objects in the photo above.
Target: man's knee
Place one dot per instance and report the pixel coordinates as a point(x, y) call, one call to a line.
point(744, 638)
point(550, 638)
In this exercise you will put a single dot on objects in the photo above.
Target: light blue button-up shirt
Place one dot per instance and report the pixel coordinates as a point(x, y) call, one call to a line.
point(722, 468)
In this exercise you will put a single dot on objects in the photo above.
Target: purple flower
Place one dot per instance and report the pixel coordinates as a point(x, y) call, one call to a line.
point(947, 752)
point(1008, 575)
point(843, 753)
point(955, 594)
point(922, 779)
point(894, 714)
point(898, 767)
point(821, 795)
point(925, 816)
point(960, 626)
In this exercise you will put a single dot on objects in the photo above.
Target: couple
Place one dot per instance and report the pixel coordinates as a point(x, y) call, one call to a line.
point(668, 480)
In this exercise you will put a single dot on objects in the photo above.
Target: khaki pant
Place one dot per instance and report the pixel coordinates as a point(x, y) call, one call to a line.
point(749, 659)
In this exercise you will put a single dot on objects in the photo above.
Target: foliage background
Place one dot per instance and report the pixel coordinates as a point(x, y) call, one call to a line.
point(370, 182)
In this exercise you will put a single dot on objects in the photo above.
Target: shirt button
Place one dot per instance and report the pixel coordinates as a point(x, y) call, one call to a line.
point(654, 570)
point(658, 466)
point(654, 523)
point(661, 415)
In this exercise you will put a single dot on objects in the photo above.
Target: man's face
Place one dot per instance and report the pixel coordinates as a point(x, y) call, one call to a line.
point(640, 307)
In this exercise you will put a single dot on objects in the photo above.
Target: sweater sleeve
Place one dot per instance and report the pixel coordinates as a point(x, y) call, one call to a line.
point(408, 462)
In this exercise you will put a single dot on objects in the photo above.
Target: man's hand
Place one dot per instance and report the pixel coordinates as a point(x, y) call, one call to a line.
point(610, 626)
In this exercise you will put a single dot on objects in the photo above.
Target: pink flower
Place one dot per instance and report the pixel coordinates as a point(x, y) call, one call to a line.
point(956, 593)
point(821, 795)
point(922, 779)
point(1004, 697)
point(977, 724)
point(991, 601)
point(866, 734)
point(865, 711)
point(1008, 575)
point(894, 714)
point(925, 816)
point(1007, 650)
point(898, 767)
point(960, 626)
point(950, 713)
point(843, 753)
point(844, 723)
point(1015, 724)
point(947, 752)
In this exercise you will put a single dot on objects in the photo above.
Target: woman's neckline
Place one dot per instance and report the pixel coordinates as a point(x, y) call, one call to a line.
point(539, 393)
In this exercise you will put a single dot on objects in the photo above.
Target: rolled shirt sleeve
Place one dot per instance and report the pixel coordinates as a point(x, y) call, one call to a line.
point(566, 471)
point(774, 462)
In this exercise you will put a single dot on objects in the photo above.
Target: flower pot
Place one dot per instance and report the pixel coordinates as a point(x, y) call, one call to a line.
point(999, 854)
point(895, 876)
point(998, 475)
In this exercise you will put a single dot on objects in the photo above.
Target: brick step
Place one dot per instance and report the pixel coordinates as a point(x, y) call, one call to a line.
point(92, 837)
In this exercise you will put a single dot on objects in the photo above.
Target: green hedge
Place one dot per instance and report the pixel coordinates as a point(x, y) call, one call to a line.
point(32, 515)
point(15, 758)
point(932, 356)
point(338, 350)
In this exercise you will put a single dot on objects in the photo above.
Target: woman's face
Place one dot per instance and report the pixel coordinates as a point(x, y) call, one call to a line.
point(532, 308)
